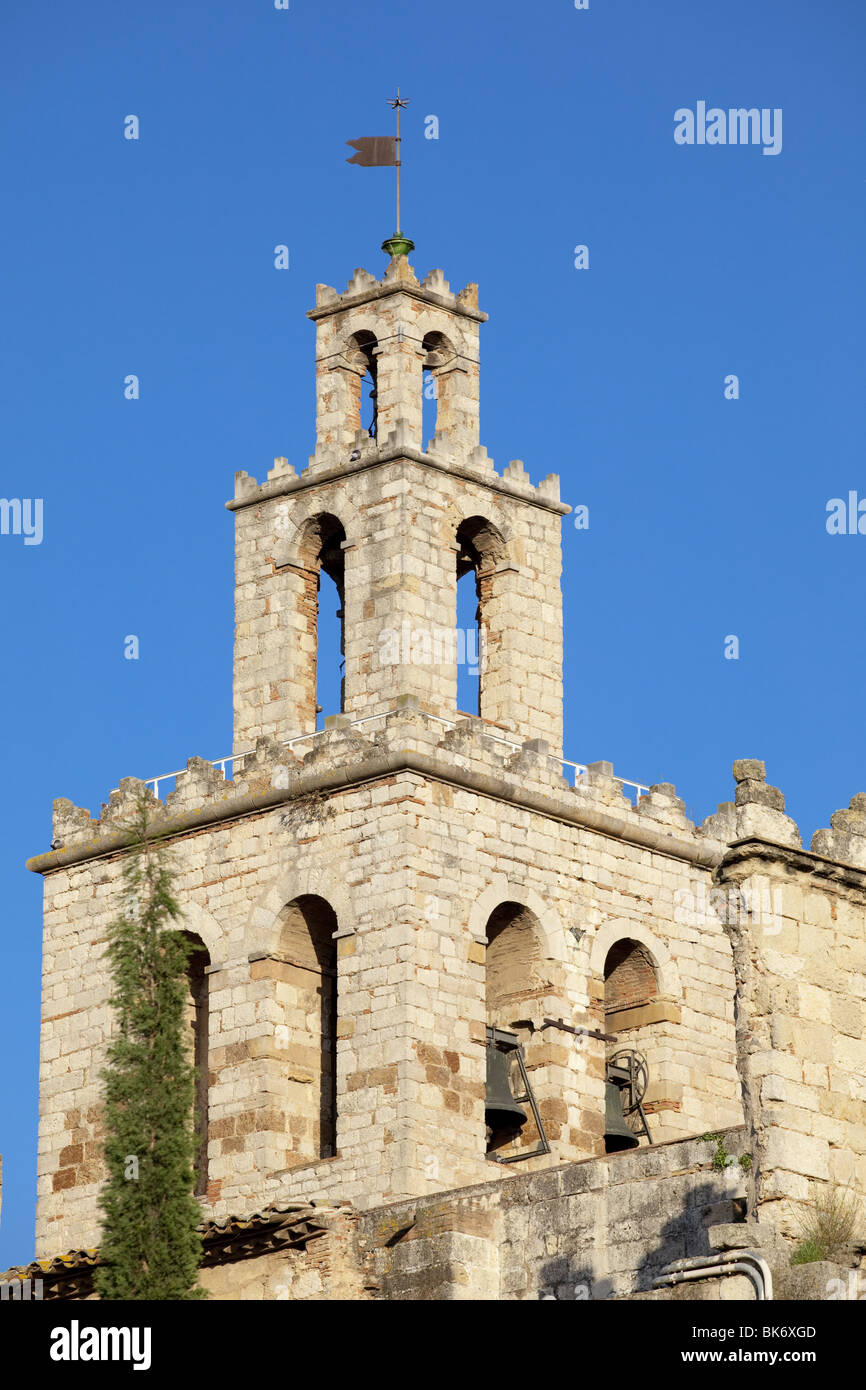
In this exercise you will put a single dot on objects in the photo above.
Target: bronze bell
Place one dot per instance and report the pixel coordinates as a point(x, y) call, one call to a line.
point(617, 1134)
point(501, 1110)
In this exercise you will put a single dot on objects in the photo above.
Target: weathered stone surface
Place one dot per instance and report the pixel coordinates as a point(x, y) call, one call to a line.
point(746, 1235)
point(749, 770)
point(800, 1031)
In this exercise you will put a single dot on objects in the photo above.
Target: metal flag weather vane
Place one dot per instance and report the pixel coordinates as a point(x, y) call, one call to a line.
point(377, 150)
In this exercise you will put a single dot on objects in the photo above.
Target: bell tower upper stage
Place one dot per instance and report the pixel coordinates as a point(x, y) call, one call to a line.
point(395, 523)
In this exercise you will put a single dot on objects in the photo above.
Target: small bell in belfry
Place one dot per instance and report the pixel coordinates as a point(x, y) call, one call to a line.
point(617, 1135)
point(501, 1110)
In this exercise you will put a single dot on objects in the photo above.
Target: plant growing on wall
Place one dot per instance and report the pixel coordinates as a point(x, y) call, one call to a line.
point(828, 1226)
point(722, 1159)
point(150, 1247)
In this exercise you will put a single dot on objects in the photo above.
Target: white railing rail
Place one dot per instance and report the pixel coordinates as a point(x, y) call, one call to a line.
point(236, 760)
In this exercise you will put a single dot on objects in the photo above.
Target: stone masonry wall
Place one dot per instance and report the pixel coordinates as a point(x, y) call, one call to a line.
point(413, 863)
point(801, 1008)
point(593, 1230)
point(400, 604)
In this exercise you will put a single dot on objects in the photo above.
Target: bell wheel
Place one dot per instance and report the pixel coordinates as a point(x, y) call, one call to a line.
point(632, 1073)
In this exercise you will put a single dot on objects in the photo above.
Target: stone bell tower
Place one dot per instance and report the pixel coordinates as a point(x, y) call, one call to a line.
point(366, 901)
point(339, 884)
point(394, 520)
point(372, 903)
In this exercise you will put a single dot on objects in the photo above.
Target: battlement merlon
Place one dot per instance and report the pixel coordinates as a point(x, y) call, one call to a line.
point(282, 480)
point(470, 752)
point(399, 278)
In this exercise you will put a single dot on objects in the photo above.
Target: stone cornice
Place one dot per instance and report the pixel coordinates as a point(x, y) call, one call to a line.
point(380, 764)
point(803, 861)
point(342, 303)
point(282, 487)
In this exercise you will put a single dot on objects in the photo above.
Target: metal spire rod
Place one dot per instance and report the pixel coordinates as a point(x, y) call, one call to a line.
point(397, 103)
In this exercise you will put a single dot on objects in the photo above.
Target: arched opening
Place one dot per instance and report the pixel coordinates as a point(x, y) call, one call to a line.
point(631, 992)
point(511, 963)
point(361, 351)
point(438, 353)
point(630, 982)
point(197, 1025)
point(324, 563)
point(468, 646)
point(511, 981)
point(429, 409)
point(307, 992)
point(480, 549)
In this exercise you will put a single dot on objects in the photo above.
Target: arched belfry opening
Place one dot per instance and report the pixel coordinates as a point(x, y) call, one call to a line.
point(513, 979)
point(479, 550)
point(324, 606)
point(197, 1029)
point(511, 963)
point(630, 982)
point(361, 353)
point(438, 355)
point(631, 1016)
point(307, 994)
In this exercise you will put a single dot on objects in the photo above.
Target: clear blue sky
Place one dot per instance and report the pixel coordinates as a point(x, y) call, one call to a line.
point(155, 257)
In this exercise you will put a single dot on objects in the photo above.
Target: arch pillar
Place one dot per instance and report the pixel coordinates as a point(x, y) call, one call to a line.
point(280, 550)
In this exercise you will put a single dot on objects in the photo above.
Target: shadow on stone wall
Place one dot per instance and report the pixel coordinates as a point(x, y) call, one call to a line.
point(686, 1232)
point(642, 1237)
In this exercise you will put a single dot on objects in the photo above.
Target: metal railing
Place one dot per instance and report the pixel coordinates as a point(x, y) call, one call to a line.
point(571, 771)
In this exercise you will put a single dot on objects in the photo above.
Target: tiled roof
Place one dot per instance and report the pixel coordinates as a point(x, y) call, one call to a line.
point(234, 1238)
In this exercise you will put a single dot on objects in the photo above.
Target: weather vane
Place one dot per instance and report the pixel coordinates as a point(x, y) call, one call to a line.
point(379, 150)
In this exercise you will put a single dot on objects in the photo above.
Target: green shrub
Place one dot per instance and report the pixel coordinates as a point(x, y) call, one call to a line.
point(807, 1251)
point(828, 1225)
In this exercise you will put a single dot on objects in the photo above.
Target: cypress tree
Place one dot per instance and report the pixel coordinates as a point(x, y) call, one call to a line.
point(150, 1248)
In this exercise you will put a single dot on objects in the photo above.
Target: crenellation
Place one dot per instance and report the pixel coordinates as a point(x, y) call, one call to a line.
point(478, 460)
point(467, 298)
point(515, 472)
point(245, 485)
point(662, 805)
point(261, 769)
point(281, 469)
point(435, 283)
point(598, 783)
point(71, 824)
point(326, 295)
point(760, 808)
point(399, 272)
point(846, 839)
point(361, 280)
point(121, 811)
point(721, 825)
point(201, 782)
